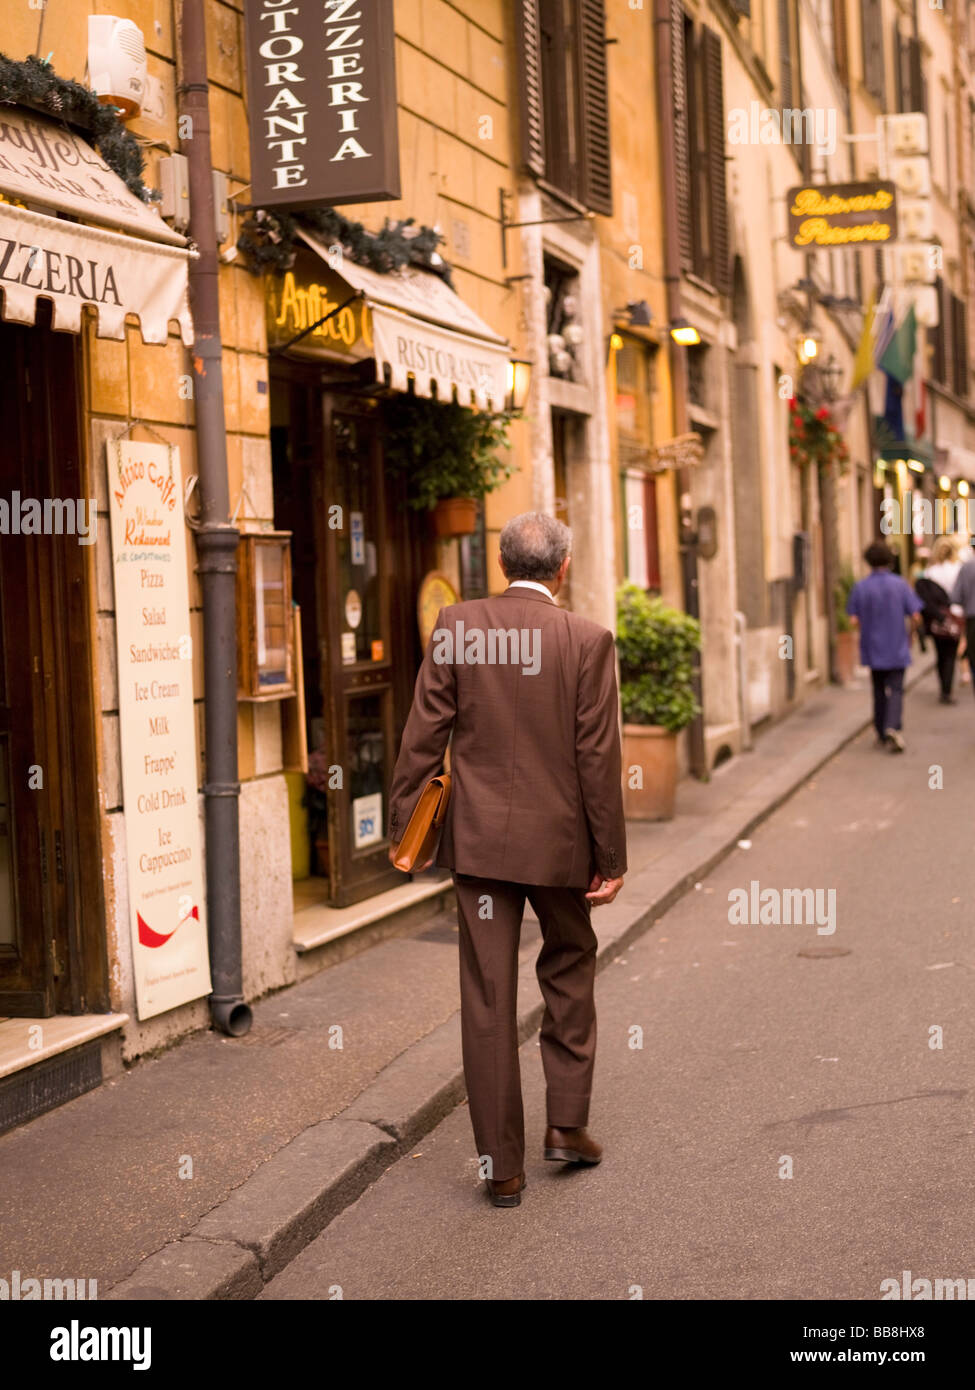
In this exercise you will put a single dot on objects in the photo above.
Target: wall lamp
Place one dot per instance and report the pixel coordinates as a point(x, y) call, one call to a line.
point(684, 333)
point(519, 384)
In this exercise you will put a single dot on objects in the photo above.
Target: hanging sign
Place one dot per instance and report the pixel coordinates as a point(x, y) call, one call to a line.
point(842, 214)
point(158, 729)
point(321, 79)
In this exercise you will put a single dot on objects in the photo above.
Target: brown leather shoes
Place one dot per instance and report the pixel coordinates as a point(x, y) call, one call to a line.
point(508, 1192)
point(571, 1146)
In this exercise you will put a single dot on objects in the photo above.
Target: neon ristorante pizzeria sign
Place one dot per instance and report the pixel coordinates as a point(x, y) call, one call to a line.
point(842, 214)
point(322, 102)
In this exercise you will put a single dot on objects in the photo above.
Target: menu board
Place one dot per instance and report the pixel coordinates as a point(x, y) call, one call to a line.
point(158, 732)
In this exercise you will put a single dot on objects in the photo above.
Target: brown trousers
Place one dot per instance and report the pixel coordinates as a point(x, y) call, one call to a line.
point(489, 913)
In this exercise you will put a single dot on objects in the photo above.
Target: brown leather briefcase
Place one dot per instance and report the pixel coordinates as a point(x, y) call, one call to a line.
point(423, 831)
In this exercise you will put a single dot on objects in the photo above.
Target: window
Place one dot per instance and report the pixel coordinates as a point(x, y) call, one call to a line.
point(564, 97)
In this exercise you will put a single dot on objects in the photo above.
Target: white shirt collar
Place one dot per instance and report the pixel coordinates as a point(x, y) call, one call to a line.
point(531, 584)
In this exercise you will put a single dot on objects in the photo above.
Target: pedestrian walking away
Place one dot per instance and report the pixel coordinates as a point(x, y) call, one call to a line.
point(942, 621)
point(529, 692)
point(879, 605)
point(962, 597)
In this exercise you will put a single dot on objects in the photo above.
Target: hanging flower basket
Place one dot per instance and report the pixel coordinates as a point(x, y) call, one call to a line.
point(814, 438)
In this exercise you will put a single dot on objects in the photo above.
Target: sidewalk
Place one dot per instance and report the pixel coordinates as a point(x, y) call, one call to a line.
point(201, 1173)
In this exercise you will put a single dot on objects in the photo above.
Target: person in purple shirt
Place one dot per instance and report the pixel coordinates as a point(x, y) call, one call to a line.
point(879, 605)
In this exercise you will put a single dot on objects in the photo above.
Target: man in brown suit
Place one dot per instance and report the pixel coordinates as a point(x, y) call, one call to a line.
point(536, 811)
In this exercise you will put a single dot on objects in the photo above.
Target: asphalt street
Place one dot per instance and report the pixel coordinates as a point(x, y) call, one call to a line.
point(765, 1048)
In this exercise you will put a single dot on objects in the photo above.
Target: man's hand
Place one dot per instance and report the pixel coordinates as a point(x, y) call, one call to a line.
point(603, 890)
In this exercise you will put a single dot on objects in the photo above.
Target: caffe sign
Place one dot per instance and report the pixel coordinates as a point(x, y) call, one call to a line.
point(299, 300)
point(824, 216)
point(322, 102)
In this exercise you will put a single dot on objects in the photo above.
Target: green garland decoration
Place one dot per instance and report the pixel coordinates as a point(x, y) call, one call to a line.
point(270, 241)
point(33, 83)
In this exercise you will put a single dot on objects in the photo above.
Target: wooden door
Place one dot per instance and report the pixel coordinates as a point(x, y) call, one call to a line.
point(52, 955)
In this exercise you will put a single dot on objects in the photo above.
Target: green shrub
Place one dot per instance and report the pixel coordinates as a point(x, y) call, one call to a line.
point(656, 645)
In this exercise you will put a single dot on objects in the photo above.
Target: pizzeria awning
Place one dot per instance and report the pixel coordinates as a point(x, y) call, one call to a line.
point(47, 170)
point(423, 332)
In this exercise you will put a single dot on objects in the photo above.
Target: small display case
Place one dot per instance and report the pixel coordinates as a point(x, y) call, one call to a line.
point(265, 619)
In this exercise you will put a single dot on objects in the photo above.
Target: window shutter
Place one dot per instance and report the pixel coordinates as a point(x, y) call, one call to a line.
point(594, 105)
point(714, 95)
point(960, 346)
point(682, 176)
point(918, 102)
point(841, 55)
point(785, 56)
point(530, 86)
point(873, 49)
point(938, 366)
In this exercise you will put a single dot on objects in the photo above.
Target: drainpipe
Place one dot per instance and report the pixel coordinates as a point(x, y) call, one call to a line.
point(216, 546)
point(677, 354)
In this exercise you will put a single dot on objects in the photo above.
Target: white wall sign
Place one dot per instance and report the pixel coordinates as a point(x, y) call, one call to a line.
point(367, 819)
point(158, 731)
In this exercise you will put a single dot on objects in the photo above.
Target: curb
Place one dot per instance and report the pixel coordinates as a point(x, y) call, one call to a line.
point(249, 1237)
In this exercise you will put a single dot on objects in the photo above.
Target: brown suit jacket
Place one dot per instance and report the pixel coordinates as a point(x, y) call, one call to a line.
point(536, 794)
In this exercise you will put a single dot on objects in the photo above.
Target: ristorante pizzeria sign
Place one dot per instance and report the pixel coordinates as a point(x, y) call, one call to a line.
point(842, 214)
point(322, 102)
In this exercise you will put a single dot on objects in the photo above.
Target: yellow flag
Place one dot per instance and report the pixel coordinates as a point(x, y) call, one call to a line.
point(863, 363)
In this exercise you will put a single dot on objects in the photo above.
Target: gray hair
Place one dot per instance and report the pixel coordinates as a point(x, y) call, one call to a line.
point(534, 545)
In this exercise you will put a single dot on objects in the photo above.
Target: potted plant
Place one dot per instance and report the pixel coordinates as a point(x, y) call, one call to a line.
point(449, 454)
point(656, 647)
point(846, 637)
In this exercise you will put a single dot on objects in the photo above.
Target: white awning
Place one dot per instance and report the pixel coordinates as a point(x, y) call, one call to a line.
point(423, 331)
point(72, 265)
point(44, 164)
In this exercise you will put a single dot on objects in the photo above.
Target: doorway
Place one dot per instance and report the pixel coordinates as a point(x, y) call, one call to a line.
point(52, 947)
point(357, 559)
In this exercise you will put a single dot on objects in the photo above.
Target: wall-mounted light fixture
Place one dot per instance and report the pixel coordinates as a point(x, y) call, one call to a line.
point(683, 332)
point(519, 384)
point(807, 348)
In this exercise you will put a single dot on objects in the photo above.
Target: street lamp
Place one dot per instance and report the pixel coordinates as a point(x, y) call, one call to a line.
point(519, 384)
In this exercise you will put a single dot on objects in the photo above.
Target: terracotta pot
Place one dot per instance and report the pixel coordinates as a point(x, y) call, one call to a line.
point(654, 751)
point(846, 656)
point(455, 516)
